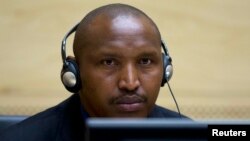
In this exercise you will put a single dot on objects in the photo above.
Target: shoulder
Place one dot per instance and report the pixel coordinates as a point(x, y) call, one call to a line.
point(160, 112)
point(41, 126)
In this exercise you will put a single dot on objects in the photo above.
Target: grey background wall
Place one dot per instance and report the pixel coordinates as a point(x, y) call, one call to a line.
point(208, 41)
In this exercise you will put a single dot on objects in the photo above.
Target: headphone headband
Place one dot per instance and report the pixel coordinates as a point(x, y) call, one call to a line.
point(63, 46)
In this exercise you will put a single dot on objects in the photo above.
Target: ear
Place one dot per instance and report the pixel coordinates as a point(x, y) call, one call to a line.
point(71, 58)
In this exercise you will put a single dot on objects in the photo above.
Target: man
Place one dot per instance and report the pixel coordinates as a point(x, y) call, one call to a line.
point(118, 57)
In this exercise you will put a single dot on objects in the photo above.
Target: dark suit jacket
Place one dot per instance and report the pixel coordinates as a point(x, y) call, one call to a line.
point(63, 122)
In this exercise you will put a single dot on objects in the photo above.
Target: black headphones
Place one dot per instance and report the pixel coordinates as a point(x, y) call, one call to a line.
point(70, 74)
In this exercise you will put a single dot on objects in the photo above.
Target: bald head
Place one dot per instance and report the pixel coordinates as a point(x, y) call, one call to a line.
point(112, 16)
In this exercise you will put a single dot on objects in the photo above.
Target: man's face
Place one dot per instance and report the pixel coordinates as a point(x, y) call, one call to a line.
point(121, 67)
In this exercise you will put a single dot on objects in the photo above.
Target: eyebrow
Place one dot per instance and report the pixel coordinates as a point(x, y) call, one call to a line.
point(116, 52)
point(111, 54)
point(146, 53)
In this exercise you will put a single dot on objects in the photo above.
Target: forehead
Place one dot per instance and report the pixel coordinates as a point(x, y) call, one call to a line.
point(123, 32)
point(128, 23)
point(124, 26)
point(122, 48)
point(127, 47)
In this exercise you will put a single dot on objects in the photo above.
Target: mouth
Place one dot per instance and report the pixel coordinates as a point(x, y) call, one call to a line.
point(131, 103)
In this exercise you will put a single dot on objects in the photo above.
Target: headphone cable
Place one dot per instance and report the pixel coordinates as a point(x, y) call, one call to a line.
point(174, 100)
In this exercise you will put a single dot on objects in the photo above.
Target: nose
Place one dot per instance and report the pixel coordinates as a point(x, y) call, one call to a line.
point(129, 79)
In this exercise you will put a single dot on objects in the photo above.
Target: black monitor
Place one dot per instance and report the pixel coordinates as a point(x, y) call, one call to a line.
point(144, 130)
point(99, 129)
point(8, 120)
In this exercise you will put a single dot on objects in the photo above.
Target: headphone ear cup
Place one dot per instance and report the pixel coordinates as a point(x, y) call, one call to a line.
point(167, 69)
point(70, 75)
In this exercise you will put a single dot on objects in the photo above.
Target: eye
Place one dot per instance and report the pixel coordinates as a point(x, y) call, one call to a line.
point(108, 62)
point(145, 61)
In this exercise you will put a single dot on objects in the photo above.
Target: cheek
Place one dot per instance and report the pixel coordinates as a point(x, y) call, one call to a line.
point(151, 84)
point(97, 90)
point(98, 81)
point(97, 84)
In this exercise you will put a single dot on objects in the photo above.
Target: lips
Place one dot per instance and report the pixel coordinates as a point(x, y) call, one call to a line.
point(129, 100)
point(130, 103)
